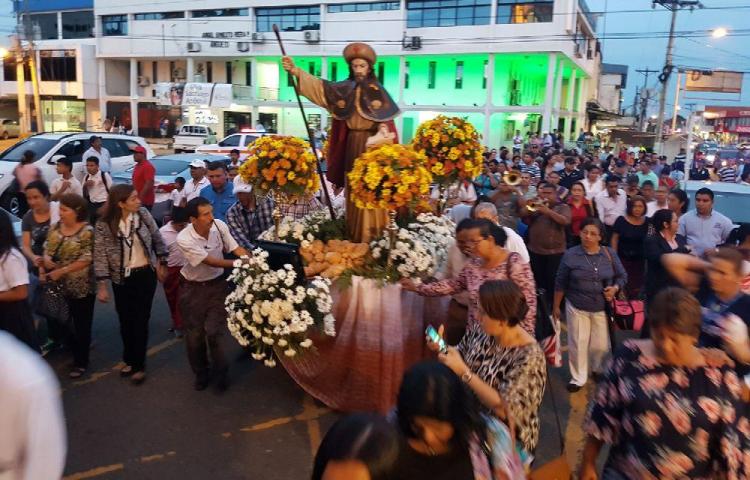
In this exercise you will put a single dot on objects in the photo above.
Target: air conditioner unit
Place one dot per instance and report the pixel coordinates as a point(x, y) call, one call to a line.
point(411, 43)
point(243, 46)
point(312, 36)
point(258, 37)
point(193, 47)
point(143, 81)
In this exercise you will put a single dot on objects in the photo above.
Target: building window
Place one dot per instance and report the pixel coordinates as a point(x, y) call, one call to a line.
point(334, 72)
point(159, 15)
point(224, 12)
point(78, 24)
point(139, 68)
point(524, 11)
point(363, 7)
point(406, 74)
point(381, 72)
point(228, 72)
point(248, 73)
point(57, 65)
point(154, 72)
point(484, 78)
point(114, 25)
point(447, 13)
point(431, 74)
point(209, 72)
point(9, 69)
point(47, 24)
point(459, 75)
point(289, 19)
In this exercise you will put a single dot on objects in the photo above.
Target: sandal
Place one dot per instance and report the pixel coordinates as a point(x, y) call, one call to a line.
point(126, 371)
point(138, 377)
point(77, 372)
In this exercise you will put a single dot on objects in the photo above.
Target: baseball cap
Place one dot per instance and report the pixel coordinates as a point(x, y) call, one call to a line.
point(139, 149)
point(197, 164)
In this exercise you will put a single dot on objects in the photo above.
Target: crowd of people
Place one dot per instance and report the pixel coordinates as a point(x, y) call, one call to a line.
point(540, 230)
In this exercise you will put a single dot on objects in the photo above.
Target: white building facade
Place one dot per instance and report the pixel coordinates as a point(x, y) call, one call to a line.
point(506, 65)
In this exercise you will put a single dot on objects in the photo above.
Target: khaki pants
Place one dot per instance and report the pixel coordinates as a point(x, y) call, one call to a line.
point(204, 318)
point(588, 337)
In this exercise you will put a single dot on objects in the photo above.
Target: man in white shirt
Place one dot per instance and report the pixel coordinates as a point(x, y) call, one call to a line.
point(203, 244)
point(33, 442)
point(514, 243)
point(611, 203)
point(65, 183)
point(517, 142)
point(97, 150)
point(96, 185)
point(197, 182)
point(659, 202)
point(593, 183)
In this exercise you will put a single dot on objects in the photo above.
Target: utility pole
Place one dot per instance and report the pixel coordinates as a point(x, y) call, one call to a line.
point(674, 6)
point(645, 97)
point(23, 121)
point(29, 34)
point(676, 106)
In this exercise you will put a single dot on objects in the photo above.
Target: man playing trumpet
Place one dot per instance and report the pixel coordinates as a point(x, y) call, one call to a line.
point(547, 219)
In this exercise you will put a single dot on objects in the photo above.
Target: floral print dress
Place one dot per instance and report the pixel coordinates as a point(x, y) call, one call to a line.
point(65, 250)
point(474, 275)
point(668, 422)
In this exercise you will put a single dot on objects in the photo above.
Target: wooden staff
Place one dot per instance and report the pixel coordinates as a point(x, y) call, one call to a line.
point(307, 127)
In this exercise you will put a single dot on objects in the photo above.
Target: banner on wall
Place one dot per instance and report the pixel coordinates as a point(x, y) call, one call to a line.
point(168, 93)
point(222, 96)
point(717, 81)
point(197, 94)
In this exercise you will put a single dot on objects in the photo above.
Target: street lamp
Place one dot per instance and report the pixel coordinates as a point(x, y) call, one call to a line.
point(719, 32)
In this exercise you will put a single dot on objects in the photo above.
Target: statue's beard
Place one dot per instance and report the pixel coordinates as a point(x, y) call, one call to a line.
point(360, 77)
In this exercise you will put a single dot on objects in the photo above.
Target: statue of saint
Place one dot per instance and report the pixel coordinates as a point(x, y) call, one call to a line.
point(359, 106)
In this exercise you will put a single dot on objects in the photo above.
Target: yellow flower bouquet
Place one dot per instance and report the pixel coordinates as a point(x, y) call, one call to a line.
point(281, 164)
point(452, 148)
point(390, 177)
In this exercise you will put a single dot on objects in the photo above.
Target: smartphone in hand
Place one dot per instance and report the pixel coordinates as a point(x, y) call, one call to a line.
point(433, 335)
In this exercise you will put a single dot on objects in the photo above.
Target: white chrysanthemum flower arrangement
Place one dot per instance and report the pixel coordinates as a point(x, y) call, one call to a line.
point(410, 258)
point(436, 233)
point(269, 311)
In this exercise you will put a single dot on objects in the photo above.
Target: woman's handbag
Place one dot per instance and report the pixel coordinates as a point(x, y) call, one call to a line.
point(557, 468)
point(547, 331)
point(626, 314)
point(50, 303)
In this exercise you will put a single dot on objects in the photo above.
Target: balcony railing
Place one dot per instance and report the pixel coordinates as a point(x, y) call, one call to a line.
point(591, 17)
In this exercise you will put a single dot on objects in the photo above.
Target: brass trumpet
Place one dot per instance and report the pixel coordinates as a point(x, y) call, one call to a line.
point(512, 178)
point(535, 204)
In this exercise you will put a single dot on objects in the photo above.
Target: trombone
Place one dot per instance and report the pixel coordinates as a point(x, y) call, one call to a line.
point(512, 178)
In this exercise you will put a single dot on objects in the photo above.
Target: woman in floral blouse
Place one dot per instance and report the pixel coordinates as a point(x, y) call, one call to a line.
point(491, 262)
point(668, 408)
point(68, 255)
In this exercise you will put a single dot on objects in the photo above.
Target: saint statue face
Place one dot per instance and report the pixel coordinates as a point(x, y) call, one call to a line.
point(360, 69)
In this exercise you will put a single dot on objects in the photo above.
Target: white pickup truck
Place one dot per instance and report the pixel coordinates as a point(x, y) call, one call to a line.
point(191, 137)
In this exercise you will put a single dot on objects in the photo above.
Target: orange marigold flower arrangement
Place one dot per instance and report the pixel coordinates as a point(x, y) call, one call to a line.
point(282, 164)
point(390, 177)
point(452, 147)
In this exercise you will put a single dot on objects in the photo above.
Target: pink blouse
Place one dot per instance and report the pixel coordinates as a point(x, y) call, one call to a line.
point(474, 275)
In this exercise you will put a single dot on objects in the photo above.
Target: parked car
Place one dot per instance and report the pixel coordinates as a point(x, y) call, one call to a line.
point(9, 128)
point(168, 167)
point(190, 137)
point(731, 199)
point(16, 224)
point(239, 141)
point(48, 148)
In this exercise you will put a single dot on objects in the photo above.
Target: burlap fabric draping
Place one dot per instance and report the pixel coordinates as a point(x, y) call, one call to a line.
point(379, 334)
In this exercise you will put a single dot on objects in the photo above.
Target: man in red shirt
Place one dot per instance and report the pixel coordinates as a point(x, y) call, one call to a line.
point(143, 177)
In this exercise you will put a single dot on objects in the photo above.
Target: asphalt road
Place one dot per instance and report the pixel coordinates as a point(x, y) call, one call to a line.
point(263, 427)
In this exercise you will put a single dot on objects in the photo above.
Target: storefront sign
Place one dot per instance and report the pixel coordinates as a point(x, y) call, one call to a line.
point(222, 96)
point(197, 94)
point(206, 117)
point(220, 36)
point(717, 81)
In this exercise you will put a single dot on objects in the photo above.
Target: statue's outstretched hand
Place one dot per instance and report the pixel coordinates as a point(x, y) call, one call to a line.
point(288, 64)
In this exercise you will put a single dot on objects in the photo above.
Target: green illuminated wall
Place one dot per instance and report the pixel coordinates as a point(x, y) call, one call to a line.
point(445, 92)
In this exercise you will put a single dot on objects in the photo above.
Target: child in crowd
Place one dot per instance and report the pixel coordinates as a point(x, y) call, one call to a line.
point(65, 183)
point(95, 187)
point(175, 262)
point(179, 191)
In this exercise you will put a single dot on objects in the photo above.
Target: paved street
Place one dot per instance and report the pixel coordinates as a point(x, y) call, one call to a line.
point(264, 427)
